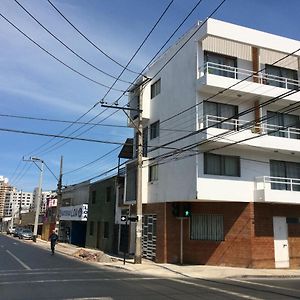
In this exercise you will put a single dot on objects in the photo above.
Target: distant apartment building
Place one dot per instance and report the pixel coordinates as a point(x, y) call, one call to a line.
point(3, 188)
point(221, 159)
point(17, 202)
point(46, 195)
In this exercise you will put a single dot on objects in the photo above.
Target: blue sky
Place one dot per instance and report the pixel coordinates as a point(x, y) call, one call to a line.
point(34, 84)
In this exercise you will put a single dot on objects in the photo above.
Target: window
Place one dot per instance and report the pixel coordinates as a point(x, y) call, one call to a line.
point(145, 141)
point(285, 170)
point(282, 123)
point(154, 130)
point(106, 230)
point(153, 173)
point(108, 193)
point(219, 112)
point(207, 227)
point(155, 88)
point(220, 64)
point(93, 197)
point(276, 76)
point(221, 165)
point(91, 228)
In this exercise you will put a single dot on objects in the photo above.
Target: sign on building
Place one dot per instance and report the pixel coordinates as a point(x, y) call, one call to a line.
point(74, 213)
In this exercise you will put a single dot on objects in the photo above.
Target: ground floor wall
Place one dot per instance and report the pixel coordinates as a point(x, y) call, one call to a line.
point(248, 237)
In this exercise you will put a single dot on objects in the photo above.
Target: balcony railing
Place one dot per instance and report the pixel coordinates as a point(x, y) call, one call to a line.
point(277, 183)
point(259, 77)
point(262, 128)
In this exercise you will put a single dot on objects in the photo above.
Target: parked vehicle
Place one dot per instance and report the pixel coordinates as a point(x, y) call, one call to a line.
point(17, 231)
point(11, 230)
point(26, 234)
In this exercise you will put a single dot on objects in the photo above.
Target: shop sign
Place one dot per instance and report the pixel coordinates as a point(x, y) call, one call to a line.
point(74, 213)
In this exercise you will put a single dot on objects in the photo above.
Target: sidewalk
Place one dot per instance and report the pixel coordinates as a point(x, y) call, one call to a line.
point(170, 270)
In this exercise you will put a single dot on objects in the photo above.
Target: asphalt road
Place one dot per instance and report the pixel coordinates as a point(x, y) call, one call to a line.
point(28, 272)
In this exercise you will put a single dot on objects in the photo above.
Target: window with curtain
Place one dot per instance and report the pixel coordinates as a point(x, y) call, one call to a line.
point(225, 165)
point(155, 88)
point(222, 65)
point(223, 111)
point(284, 169)
point(153, 173)
point(279, 75)
point(284, 122)
point(154, 130)
point(207, 227)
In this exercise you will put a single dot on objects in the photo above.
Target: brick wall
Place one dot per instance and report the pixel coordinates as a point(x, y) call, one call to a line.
point(248, 235)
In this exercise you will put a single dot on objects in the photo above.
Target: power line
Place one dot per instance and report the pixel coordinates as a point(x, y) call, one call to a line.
point(56, 58)
point(67, 47)
point(87, 39)
point(60, 121)
point(61, 136)
point(140, 46)
point(136, 52)
point(92, 162)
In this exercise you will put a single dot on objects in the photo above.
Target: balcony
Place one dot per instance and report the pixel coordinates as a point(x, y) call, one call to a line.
point(221, 76)
point(277, 190)
point(259, 135)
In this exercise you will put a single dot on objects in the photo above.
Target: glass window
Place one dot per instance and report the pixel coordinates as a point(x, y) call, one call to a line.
point(219, 112)
point(220, 64)
point(207, 227)
point(225, 165)
point(154, 130)
point(281, 77)
point(281, 125)
point(155, 88)
point(106, 230)
point(108, 193)
point(93, 197)
point(91, 228)
point(153, 173)
point(283, 171)
point(145, 141)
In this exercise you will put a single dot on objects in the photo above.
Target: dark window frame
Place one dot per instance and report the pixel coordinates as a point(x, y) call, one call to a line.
point(222, 164)
point(105, 230)
point(155, 88)
point(154, 130)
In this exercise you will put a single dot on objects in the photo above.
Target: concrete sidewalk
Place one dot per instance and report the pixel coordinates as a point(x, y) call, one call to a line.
point(171, 270)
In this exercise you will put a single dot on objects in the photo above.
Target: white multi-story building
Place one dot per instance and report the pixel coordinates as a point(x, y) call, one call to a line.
point(221, 125)
point(17, 202)
point(45, 196)
point(3, 188)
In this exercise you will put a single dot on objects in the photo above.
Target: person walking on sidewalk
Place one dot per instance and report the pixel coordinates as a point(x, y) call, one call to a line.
point(53, 240)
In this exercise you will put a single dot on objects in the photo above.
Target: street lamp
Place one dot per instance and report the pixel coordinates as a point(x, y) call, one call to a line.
point(38, 204)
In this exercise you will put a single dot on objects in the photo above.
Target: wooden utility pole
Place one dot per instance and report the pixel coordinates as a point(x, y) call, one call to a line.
point(59, 195)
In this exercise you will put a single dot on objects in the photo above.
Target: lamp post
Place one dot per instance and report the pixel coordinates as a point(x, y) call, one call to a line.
point(38, 204)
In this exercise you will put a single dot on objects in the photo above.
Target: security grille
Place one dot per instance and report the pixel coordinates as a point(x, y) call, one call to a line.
point(149, 237)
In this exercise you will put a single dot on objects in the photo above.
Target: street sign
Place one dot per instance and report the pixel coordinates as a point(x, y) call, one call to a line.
point(133, 219)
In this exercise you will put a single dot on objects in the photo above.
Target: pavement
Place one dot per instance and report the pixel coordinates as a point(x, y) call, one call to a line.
point(171, 270)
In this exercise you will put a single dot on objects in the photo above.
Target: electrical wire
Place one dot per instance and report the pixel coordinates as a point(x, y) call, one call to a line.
point(56, 58)
point(67, 47)
point(87, 39)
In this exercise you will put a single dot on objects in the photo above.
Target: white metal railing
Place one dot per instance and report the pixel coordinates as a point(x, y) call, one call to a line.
point(277, 183)
point(263, 128)
point(239, 73)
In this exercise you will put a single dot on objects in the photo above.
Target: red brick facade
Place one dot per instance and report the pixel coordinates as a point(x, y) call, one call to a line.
point(248, 235)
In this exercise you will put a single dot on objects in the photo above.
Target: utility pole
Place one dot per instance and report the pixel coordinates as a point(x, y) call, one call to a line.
point(38, 204)
point(59, 195)
point(139, 200)
point(139, 194)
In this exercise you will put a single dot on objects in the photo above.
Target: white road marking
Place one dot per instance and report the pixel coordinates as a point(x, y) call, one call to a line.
point(18, 260)
point(74, 280)
point(219, 290)
point(265, 285)
point(92, 298)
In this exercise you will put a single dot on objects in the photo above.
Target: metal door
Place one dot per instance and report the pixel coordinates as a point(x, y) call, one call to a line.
point(281, 246)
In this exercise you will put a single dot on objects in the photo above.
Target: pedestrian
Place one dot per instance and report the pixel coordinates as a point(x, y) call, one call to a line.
point(53, 240)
